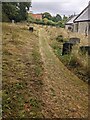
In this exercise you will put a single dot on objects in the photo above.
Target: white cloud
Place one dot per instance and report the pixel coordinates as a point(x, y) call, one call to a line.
point(63, 7)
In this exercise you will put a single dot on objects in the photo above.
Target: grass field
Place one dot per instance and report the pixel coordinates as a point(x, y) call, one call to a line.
point(36, 84)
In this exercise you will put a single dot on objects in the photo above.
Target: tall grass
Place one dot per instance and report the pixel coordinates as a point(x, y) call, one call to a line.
point(76, 61)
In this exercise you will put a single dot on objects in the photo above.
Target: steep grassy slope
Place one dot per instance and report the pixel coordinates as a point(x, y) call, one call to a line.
point(22, 73)
point(63, 93)
point(36, 84)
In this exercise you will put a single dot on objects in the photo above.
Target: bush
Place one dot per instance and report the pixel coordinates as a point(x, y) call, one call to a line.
point(60, 24)
point(5, 17)
point(60, 38)
point(74, 62)
point(30, 19)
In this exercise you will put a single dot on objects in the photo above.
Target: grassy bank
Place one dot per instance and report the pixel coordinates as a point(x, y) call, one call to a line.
point(76, 62)
point(22, 73)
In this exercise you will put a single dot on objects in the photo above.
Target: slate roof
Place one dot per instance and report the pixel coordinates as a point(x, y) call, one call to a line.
point(84, 15)
point(71, 20)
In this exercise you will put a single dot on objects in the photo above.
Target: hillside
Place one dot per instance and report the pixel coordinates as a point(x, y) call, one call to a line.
point(36, 84)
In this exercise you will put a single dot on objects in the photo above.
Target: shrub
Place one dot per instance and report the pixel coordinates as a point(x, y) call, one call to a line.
point(60, 38)
point(60, 24)
point(5, 17)
point(74, 62)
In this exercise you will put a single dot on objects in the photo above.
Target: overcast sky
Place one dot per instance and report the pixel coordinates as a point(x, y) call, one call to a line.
point(62, 7)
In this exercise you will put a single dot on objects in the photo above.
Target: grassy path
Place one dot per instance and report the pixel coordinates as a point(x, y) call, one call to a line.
point(63, 94)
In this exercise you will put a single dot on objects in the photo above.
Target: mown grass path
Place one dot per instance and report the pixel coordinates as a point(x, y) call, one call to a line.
point(64, 94)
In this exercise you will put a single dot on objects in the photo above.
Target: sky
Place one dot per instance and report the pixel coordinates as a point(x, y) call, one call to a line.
point(62, 7)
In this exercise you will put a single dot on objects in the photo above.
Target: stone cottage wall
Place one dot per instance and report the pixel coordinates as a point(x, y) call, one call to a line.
point(81, 27)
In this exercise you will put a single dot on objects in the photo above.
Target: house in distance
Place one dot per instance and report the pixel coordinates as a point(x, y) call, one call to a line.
point(37, 16)
point(70, 24)
point(81, 22)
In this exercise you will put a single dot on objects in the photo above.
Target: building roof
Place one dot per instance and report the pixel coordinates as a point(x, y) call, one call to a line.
point(37, 16)
point(84, 15)
point(71, 20)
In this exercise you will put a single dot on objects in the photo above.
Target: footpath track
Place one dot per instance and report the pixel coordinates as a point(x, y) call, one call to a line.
point(64, 95)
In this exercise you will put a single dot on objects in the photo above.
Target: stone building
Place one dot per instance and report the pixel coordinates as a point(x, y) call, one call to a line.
point(70, 24)
point(82, 21)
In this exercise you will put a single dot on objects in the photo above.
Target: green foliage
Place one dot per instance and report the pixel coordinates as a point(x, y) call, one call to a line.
point(34, 103)
point(71, 62)
point(22, 16)
point(15, 11)
point(5, 17)
point(10, 10)
point(65, 19)
point(53, 20)
point(49, 20)
point(45, 20)
point(60, 24)
point(60, 38)
point(57, 18)
point(47, 15)
point(30, 18)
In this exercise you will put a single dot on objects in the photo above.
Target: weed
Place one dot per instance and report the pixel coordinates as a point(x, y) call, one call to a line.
point(19, 86)
point(52, 92)
point(73, 61)
point(60, 38)
point(34, 103)
point(36, 58)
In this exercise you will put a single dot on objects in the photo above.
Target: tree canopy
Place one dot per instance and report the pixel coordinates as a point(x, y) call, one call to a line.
point(53, 18)
point(46, 15)
point(15, 10)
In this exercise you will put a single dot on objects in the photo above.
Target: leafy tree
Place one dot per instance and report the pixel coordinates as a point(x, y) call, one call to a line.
point(15, 10)
point(46, 15)
point(54, 19)
point(9, 10)
point(30, 18)
point(58, 18)
point(65, 18)
point(23, 8)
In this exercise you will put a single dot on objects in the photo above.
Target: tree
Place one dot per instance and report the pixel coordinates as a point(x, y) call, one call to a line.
point(46, 15)
point(58, 18)
point(54, 19)
point(15, 10)
point(23, 8)
point(65, 18)
point(9, 10)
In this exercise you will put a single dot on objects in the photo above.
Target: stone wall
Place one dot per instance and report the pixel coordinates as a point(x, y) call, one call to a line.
point(81, 27)
point(67, 27)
